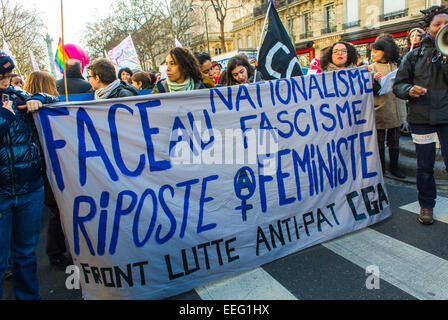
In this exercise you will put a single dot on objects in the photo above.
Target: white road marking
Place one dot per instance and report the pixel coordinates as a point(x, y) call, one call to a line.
point(255, 284)
point(417, 272)
point(440, 210)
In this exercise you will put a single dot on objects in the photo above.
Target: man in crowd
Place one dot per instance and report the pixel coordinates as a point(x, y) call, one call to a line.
point(75, 81)
point(103, 79)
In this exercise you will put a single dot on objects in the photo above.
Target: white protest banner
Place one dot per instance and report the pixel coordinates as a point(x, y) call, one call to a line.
point(124, 55)
point(163, 193)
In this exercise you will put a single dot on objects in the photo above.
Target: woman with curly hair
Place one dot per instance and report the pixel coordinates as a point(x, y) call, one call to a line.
point(183, 73)
point(125, 74)
point(423, 80)
point(340, 55)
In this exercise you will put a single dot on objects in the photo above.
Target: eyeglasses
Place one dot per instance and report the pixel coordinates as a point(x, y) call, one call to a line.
point(341, 51)
point(89, 76)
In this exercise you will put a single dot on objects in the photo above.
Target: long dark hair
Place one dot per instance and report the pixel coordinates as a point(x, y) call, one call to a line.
point(389, 47)
point(188, 64)
point(352, 55)
point(420, 32)
point(236, 61)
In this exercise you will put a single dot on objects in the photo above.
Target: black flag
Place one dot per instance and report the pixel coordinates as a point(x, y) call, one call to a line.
point(277, 57)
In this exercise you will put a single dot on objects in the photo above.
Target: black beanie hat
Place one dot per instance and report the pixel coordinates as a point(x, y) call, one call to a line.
point(6, 63)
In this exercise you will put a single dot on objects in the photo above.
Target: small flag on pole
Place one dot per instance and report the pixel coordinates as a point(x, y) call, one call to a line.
point(33, 61)
point(277, 56)
point(59, 57)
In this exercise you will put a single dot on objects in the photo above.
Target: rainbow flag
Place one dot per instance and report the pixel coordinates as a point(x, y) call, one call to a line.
point(59, 58)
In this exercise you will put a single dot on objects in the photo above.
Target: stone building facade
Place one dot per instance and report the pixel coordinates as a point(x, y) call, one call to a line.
point(315, 24)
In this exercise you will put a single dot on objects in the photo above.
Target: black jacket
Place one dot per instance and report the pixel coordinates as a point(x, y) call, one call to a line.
point(20, 159)
point(123, 90)
point(75, 84)
point(423, 67)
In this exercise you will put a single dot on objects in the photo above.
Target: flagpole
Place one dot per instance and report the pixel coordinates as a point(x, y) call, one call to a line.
point(63, 52)
point(261, 37)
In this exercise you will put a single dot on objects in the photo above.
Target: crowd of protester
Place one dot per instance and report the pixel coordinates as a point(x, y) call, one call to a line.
point(420, 82)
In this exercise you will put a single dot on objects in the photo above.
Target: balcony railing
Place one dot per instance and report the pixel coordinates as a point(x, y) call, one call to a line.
point(329, 29)
point(305, 35)
point(352, 24)
point(394, 15)
point(261, 10)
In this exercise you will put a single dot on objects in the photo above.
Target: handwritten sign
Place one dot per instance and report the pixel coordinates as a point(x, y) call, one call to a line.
point(161, 194)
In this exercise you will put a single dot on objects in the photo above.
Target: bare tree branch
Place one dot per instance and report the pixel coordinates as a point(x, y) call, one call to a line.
point(23, 29)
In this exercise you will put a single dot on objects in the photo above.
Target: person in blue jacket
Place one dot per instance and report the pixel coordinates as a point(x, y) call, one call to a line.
point(21, 183)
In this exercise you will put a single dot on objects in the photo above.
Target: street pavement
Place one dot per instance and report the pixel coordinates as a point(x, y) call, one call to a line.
point(412, 261)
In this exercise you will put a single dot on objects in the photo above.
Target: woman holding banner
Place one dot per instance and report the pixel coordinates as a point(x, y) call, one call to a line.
point(183, 73)
point(340, 55)
point(41, 81)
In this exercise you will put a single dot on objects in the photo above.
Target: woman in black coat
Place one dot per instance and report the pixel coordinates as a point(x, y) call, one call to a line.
point(423, 80)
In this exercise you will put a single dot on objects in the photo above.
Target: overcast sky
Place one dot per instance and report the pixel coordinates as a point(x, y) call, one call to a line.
point(77, 13)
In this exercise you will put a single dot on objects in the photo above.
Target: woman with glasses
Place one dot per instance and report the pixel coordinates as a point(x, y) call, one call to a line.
point(239, 71)
point(341, 55)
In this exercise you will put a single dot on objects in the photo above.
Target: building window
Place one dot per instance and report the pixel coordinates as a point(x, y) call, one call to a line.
point(329, 19)
point(394, 10)
point(393, 6)
point(217, 50)
point(352, 11)
point(249, 42)
point(240, 43)
point(306, 25)
point(289, 25)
